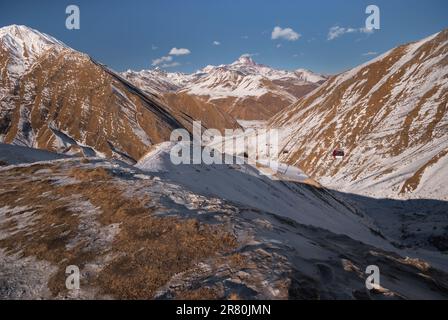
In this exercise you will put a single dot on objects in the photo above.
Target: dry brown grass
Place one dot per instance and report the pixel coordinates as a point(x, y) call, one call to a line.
point(200, 294)
point(234, 296)
point(147, 251)
point(412, 183)
point(154, 249)
point(86, 175)
point(85, 160)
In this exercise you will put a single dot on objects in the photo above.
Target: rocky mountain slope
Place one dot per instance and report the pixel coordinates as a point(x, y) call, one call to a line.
point(160, 238)
point(53, 97)
point(390, 118)
point(243, 89)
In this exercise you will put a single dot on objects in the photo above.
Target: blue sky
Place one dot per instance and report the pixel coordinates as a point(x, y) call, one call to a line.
point(132, 34)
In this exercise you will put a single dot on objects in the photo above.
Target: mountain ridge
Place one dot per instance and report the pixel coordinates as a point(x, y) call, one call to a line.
point(390, 117)
point(244, 89)
point(56, 98)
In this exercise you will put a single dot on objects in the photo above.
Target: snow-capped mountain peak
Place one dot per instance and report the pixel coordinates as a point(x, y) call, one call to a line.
point(23, 45)
point(309, 76)
point(248, 90)
point(245, 59)
point(18, 38)
point(206, 69)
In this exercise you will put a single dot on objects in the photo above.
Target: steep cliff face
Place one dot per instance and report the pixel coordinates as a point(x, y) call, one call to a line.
point(55, 98)
point(390, 118)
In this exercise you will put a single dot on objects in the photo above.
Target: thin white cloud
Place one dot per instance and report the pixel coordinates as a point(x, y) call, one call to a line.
point(278, 45)
point(170, 65)
point(153, 47)
point(370, 53)
point(167, 61)
point(250, 54)
point(179, 52)
point(216, 43)
point(161, 60)
point(245, 37)
point(366, 30)
point(337, 31)
point(285, 34)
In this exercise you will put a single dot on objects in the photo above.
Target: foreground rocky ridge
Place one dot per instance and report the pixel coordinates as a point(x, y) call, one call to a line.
point(157, 239)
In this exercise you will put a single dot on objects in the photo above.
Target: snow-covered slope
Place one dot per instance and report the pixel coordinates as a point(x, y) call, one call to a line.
point(245, 78)
point(388, 224)
point(388, 115)
point(183, 244)
point(243, 184)
point(24, 45)
point(158, 81)
point(244, 89)
point(166, 87)
point(11, 155)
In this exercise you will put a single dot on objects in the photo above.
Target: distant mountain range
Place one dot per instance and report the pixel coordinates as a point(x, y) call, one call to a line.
point(56, 98)
point(244, 89)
